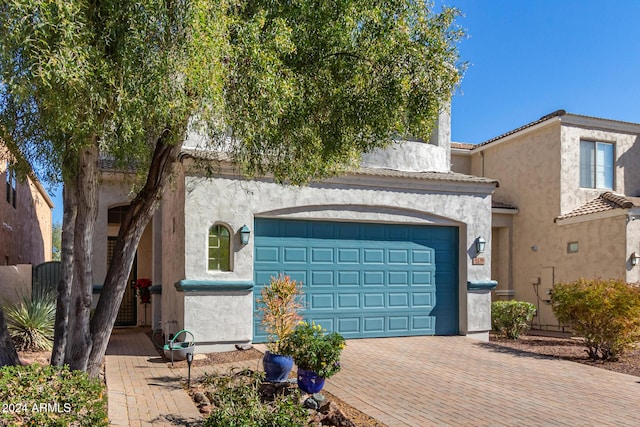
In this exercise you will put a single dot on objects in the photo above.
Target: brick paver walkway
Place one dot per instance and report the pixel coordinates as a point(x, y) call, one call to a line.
point(142, 389)
point(416, 381)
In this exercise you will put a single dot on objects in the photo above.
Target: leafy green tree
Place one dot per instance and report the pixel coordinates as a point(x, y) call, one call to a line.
point(56, 241)
point(296, 88)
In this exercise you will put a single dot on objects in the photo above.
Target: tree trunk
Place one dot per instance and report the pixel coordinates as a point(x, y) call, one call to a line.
point(138, 216)
point(66, 281)
point(79, 341)
point(8, 355)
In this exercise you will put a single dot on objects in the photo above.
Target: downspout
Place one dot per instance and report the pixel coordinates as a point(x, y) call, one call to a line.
point(482, 164)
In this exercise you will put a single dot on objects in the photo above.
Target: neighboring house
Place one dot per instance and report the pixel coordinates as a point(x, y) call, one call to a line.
point(387, 250)
point(566, 206)
point(25, 217)
point(25, 229)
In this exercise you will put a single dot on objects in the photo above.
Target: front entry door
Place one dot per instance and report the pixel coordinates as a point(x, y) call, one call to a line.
point(128, 313)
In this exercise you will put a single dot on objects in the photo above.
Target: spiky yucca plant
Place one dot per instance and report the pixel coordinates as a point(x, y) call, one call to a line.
point(31, 320)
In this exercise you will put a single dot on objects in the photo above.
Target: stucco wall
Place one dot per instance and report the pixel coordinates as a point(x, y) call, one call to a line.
point(172, 218)
point(413, 156)
point(25, 230)
point(460, 162)
point(235, 202)
point(627, 159)
point(528, 170)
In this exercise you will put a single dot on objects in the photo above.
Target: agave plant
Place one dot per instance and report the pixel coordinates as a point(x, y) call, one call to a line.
point(31, 320)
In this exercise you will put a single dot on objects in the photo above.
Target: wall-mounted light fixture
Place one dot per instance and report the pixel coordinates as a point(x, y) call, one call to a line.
point(635, 258)
point(480, 244)
point(244, 234)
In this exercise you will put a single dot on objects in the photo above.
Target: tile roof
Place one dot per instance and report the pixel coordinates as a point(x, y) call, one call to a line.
point(435, 176)
point(556, 113)
point(500, 205)
point(606, 201)
point(462, 146)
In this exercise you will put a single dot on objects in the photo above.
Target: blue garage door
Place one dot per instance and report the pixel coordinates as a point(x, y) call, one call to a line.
point(364, 279)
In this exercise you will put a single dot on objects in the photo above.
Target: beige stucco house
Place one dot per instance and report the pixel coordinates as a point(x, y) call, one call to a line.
point(566, 206)
point(386, 250)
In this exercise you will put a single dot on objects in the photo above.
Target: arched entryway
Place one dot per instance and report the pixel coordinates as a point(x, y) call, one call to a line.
point(128, 311)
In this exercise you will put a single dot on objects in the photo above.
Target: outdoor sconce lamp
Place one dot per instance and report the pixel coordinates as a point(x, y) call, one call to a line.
point(635, 258)
point(244, 234)
point(480, 244)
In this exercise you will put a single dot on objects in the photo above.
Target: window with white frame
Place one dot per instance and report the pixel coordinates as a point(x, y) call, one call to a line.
point(219, 248)
point(596, 164)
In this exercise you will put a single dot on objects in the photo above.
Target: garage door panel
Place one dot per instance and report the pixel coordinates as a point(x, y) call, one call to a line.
point(322, 255)
point(373, 278)
point(295, 255)
point(421, 278)
point(372, 300)
point(373, 256)
point(365, 280)
point(321, 302)
point(349, 325)
point(399, 324)
point(399, 256)
point(348, 256)
point(374, 325)
point(348, 301)
point(321, 278)
point(421, 257)
point(348, 278)
point(419, 299)
point(268, 254)
point(398, 278)
point(398, 300)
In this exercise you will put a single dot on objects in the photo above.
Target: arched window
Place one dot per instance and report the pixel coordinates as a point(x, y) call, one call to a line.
point(219, 248)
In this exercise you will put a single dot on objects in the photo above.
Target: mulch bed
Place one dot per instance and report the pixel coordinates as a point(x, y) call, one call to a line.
point(571, 349)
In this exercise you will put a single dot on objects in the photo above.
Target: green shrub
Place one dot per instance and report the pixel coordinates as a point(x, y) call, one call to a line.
point(313, 349)
point(50, 396)
point(30, 321)
point(605, 312)
point(511, 318)
point(237, 402)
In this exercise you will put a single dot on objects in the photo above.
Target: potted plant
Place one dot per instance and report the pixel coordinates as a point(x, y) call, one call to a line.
point(279, 306)
point(316, 353)
point(142, 286)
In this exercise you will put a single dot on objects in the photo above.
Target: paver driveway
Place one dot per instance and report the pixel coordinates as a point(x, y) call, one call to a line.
point(423, 381)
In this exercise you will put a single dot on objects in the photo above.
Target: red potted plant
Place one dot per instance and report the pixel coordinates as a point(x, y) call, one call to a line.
point(142, 286)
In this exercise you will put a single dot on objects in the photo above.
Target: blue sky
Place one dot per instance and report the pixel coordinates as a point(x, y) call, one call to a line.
point(528, 58)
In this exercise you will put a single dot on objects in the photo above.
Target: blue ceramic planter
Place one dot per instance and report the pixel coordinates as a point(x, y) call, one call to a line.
point(309, 381)
point(277, 367)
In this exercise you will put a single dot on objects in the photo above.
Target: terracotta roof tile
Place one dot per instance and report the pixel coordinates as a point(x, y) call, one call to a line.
point(500, 205)
point(606, 201)
point(462, 146)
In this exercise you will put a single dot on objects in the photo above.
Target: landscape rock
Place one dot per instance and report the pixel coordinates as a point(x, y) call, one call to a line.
point(200, 397)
